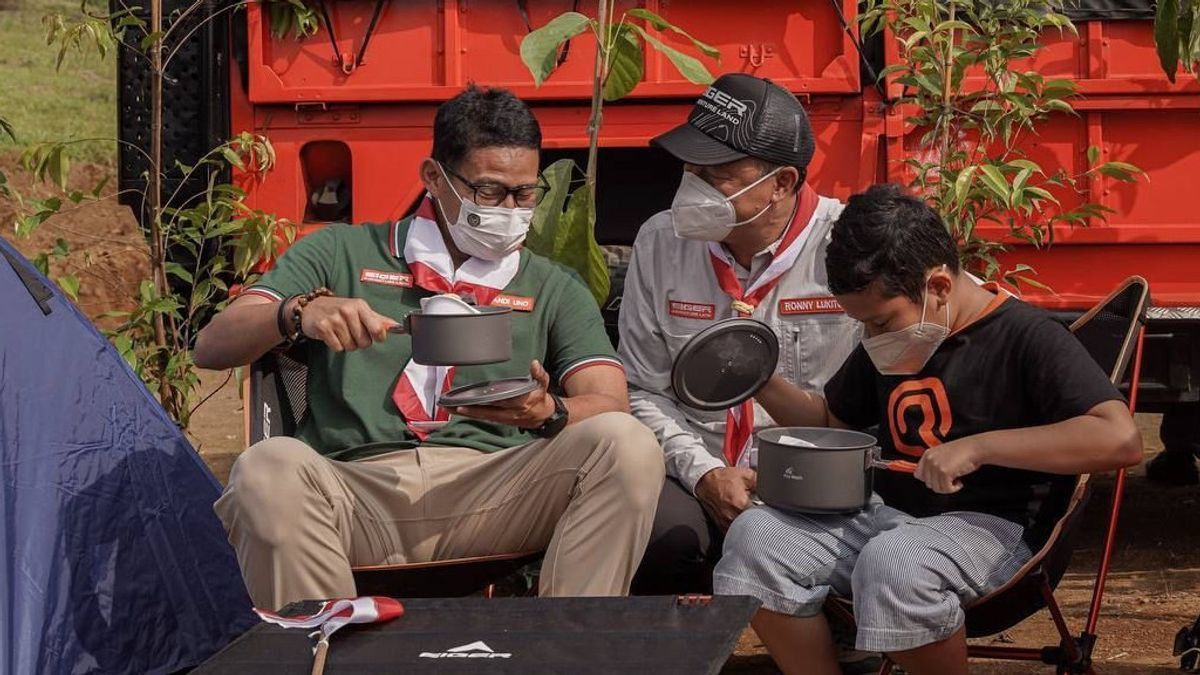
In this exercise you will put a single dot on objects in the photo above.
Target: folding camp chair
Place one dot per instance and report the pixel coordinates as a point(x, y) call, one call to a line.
point(1112, 333)
point(278, 403)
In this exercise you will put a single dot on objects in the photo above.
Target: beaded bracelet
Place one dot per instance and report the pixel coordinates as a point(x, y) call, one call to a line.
point(301, 303)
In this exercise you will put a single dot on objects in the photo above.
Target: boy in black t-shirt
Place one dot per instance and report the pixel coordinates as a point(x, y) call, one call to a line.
point(1000, 404)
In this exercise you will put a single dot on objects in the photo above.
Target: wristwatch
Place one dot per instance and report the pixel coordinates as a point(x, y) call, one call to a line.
point(555, 422)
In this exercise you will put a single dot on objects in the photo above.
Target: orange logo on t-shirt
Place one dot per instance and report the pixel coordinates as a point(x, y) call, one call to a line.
point(928, 397)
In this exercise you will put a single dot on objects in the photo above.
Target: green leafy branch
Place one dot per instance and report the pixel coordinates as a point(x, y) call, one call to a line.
point(974, 109)
point(565, 223)
point(226, 240)
point(622, 48)
point(219, 236)
point(87, 31)
point(1177, 36)
point(292, 16)
point(223, 237)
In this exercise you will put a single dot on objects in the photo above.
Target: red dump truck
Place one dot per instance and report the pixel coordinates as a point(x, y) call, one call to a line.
point(349, 137)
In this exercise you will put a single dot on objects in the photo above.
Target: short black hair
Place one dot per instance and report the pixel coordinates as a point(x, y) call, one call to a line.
point(482, 118)
point(888, 235)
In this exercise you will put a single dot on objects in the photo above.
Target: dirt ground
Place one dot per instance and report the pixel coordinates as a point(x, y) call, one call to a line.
point(1154, 586)
point(108, 253)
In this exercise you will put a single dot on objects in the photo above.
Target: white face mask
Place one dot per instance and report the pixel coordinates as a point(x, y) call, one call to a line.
point(906, 351)
point(701, 211)
point(487, 232)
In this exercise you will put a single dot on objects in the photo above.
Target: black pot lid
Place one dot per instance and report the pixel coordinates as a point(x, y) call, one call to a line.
point(482, 393)
point(725, 364)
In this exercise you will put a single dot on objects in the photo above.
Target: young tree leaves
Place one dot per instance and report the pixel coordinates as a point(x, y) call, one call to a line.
point(1166, 36)
point(539, 49)
point(625, 62)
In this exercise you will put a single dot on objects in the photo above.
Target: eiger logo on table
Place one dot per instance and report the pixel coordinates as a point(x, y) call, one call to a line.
point(475, 650)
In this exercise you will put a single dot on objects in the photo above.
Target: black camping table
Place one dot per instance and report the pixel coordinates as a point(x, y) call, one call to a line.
point(525, 635)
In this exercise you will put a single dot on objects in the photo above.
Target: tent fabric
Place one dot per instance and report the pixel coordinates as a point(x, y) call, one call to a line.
point(111, 558)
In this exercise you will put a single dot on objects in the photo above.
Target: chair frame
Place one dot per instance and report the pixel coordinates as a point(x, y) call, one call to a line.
point(1073, 654)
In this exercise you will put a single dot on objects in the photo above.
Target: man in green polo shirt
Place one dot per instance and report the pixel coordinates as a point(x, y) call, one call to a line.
point(380, 474)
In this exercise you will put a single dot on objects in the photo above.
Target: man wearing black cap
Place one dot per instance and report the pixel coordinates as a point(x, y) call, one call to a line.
point(745, 237)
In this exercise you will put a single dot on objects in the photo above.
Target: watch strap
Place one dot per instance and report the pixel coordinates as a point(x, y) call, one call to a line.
point(556, 422)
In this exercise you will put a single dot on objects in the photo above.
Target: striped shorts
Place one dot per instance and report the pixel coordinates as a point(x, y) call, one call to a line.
point(908, 577)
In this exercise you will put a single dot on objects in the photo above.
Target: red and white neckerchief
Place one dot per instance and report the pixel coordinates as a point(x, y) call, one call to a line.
point(334, 614)
point(739, 420)
point(429, 261)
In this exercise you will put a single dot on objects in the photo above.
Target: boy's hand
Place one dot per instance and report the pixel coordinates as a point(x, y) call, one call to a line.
point(943, 465)
point(725, 493)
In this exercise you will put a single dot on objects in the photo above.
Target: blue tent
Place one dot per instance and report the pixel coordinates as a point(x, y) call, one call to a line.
point(111, 559)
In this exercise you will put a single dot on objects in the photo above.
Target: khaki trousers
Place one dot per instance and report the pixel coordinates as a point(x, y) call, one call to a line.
point(299, 521)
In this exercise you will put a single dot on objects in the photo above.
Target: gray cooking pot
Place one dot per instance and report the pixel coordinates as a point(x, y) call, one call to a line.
point(459, 339)
point(834, 475)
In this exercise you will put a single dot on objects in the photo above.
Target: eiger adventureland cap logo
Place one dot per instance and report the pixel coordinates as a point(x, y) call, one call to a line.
point(720, 104)
point(742, 116)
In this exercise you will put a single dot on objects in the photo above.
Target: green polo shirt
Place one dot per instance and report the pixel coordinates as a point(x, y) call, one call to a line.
point(351, 413)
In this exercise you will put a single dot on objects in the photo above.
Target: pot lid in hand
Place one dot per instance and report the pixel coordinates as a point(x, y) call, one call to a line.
point(725, 364)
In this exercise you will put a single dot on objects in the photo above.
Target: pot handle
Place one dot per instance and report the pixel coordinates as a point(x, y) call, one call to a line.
point(404, 327)
point(875, 460)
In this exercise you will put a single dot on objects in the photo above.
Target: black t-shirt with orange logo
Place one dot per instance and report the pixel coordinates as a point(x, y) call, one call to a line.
point(1013, 367)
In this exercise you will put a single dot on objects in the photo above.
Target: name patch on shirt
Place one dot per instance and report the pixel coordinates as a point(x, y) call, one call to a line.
point(691, 310)
point(826, 305)
point(518, 303)
point(400, 279)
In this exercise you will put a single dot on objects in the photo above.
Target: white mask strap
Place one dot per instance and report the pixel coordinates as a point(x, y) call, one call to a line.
point(755, 216)
point(761, 178)
point(449, 183)
point(925, 301)
point(739, 193)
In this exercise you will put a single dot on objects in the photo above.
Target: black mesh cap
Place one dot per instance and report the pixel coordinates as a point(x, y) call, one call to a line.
point(740, 116)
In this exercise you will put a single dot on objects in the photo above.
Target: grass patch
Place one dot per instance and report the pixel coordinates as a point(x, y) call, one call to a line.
point(43, 104)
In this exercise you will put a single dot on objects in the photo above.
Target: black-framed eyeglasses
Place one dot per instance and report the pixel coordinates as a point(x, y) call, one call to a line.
point(495, 194)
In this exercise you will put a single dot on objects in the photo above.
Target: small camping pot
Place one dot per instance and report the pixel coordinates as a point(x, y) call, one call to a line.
point(483, 336)
point(819, 470)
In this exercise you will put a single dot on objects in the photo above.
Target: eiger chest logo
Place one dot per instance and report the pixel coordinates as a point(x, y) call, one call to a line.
point(720, 103)
point(691, 310)
point(399, 279)
point(475, 650)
